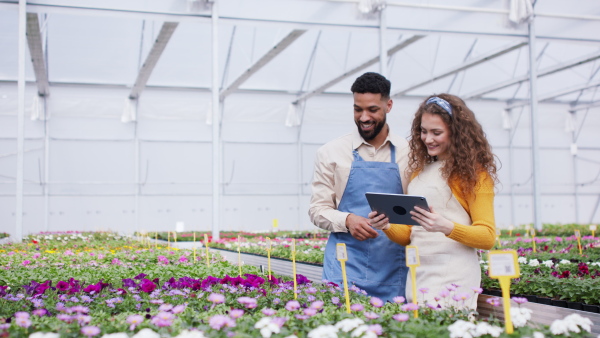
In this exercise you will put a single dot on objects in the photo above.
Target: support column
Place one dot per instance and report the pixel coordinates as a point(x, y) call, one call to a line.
point(537, 202)
point(20, 120)
point(383, 57)
point(216, 126)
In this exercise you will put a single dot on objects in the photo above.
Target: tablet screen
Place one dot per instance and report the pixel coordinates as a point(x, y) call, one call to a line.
point(396, 207)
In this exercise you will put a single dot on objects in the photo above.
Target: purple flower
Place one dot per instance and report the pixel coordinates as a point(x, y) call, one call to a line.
point(423, 290)
point(22, 314)
point(520, 300)
point(248, 302)
point(163, 319)
point(335, 300)
point(301, 317)
point(64, 317)
point(399, 299)
point(147, 286)
point(165, 307)
point(90, 331)
point(376, 328)
point(216, 298)
point(62, 286)
point(371, 315)
point(410, 307)
point(401, 317)
point(220, 321)
point(494, 301)
point(477, 290)
point(357, 307)
point(317, 305)
point(80, 309)
point(179, 308)
point(236, 313)
point(23, 321)
point(83, 319)
point(268, 312)
point(134, 320)
point(376, 302)
point(40, 312)
point(444, 293)
point(292, 305)
point(310, 312)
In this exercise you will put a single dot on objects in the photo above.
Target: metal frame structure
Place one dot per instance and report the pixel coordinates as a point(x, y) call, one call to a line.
point(29, 32)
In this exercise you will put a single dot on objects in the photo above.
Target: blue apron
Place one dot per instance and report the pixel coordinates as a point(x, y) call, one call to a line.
point(376, 265)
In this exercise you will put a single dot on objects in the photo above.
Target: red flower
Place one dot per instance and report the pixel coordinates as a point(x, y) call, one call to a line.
point(34, 241)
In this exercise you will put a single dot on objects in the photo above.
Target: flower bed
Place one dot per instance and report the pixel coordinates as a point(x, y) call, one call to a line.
point(188, 236)
point(3, 235)
point(94, 286)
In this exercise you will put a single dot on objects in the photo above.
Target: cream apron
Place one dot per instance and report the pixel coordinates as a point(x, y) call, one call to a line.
point(444, 261)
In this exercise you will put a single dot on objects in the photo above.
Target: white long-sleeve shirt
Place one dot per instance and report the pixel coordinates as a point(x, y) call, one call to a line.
point(332, 169)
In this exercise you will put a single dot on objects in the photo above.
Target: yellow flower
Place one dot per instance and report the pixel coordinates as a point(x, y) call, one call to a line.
point(50, 251)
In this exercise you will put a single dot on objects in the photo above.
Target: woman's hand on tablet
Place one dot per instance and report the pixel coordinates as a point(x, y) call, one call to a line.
point(379, 221)
point(431, 221)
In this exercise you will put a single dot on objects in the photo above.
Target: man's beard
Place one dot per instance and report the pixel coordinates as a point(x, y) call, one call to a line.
point(369, 135)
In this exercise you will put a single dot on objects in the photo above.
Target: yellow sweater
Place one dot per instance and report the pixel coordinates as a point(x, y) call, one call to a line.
point(481, 234)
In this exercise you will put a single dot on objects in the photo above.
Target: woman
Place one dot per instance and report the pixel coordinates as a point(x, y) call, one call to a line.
point(452, 165)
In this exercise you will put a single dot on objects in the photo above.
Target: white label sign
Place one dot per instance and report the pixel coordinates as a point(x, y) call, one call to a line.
point(341, 251)
point(593, 227)
point(412, 256)
point(577, 234)
point(502, 265)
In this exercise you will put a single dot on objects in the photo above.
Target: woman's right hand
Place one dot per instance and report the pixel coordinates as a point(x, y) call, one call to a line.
point(379, 221)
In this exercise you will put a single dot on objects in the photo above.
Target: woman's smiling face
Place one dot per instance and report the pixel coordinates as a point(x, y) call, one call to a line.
point(436, 135)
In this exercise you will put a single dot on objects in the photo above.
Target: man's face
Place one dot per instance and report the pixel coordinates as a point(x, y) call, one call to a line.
point(370, 111)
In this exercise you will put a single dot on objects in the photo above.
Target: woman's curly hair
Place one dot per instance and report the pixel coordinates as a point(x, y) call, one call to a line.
point(470, 153)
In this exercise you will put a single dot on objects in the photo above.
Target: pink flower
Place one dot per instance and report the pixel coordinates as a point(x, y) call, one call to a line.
point(410, 307)
point(357, 307)
point(216, 298)
point(220, 321)
point(36, 255)
point(371, 315)
point(268, 312)
point(401, 317)
point(310, 312)
point(134, 320)
point(165, 307)
point(376, 302)
point(494, 301)
point(423, 290)
point(183, 259)
point(317, 305)
point(477, 290)
point(399, 299)
point(26, 262)
point(444, 293)
point(520, 300)
point(90, 331)
point(292, 305)
point(179, 308)
point(163, 319)
point(23, 322)
point(248, 302)
point(236, 313)
point(376, 329)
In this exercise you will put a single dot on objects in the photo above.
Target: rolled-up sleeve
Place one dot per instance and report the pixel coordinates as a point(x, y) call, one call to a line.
point(323, 203)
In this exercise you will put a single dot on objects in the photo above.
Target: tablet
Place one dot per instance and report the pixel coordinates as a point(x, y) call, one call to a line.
point(396, 207)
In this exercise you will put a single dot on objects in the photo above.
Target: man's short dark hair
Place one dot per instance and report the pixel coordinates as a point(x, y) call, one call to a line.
point(372, 83)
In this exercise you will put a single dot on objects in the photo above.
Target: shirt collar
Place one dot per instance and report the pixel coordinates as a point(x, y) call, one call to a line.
point(357, 140)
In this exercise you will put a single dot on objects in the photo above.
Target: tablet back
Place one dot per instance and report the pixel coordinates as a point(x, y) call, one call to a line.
point(396, 207)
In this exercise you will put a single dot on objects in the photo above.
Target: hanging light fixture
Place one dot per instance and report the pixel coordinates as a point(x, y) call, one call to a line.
point(198, 5)
point(368, 8)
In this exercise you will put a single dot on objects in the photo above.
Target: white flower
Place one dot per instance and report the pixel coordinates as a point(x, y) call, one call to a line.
point(565, 261)
point(520, 316)
point(559, 327)
point(460, 329)
point(191, 334)
point(548, 263)
point(538, 335)
point(484, 328)
point(323, 331)
point(583, 322)
point(44, 335)
point(522, 260)
point(292, 336)
point(116, 335)
point(363, 331)
point(267, 327)
point(146, 333)
point(534, 262)
point(349, 324)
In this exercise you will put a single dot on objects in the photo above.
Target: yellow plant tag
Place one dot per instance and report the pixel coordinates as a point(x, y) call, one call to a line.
point(294, 267)
point(341, 252)
point(503, 264)
point(275, 223)
point(342, 256)
point(268, 244)
point(412, 256)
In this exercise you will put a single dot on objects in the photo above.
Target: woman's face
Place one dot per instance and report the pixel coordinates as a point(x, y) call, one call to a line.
point(436, 135)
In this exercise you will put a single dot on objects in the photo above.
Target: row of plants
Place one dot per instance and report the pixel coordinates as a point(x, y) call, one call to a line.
point(555, 271)
point(549, 229)
point(188, 236)
point(3, 235)
point(117, 287)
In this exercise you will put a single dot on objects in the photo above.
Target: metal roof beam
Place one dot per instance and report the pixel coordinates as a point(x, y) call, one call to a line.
point(166, 31)
point(34, 40)
point(558, 94)
point(585, 106)
point(270, 55)
point(544, 72)
point(356, 69)
point(464, 66)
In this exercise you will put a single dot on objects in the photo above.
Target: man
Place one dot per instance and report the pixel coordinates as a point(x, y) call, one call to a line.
point(370, 159)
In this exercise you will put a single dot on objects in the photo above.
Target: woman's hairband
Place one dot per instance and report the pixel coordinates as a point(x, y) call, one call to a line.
point(442, 103)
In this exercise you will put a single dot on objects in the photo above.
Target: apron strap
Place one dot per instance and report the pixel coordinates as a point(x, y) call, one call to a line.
point(393, 150)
